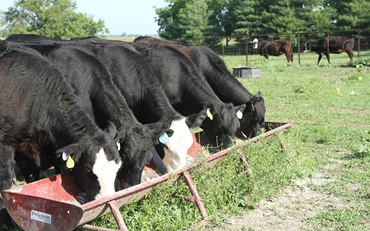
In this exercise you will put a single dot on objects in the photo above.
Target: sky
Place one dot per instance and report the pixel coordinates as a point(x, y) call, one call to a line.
point(120, 16)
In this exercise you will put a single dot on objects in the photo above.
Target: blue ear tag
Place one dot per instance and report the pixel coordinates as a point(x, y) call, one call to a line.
point(163, 138)
point(65, 156)
point(239, 114)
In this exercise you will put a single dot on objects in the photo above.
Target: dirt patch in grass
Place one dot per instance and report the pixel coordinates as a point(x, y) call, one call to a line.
point(291, 209)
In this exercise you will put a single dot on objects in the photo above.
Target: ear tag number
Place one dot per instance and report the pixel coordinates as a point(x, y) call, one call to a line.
point(70, 162)
point(163, 138)
point(209, 114)
point(65, 156)
point(239, 114)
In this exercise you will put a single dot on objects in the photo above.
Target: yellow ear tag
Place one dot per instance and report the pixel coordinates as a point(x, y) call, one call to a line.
point(209, 114)
point(70, 162)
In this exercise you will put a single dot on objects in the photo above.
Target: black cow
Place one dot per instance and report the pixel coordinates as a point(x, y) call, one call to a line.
point(149, 103)
point(227, 88)
point(131, 74)
point(276, 48)
point(188, 92)
point(335, 45)
point(144, 93)
point(103, 101)
point(40, 119)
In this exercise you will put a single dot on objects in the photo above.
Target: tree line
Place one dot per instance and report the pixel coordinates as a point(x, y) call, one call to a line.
point(183, 19)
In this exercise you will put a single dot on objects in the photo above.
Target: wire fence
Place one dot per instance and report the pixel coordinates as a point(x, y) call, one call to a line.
point(242, 44)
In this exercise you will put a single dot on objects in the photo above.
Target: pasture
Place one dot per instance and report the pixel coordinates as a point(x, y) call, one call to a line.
point(329, 106)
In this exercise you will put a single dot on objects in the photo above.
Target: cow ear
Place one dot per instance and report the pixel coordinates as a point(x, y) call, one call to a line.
point(197, 119)
point(210, 111)
point(111, 129)
point(240, 108)
point(70, 153)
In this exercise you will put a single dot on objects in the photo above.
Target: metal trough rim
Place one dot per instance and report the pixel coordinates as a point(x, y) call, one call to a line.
point(184, 170)
point(110, 202)
point(157, 180)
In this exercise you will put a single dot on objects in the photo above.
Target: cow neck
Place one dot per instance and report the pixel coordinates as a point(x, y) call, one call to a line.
point(159, 105)
point(201, 92)
point(60, 119)
point(134, 79)
point(75, 124)
point(114, 102)
point(226, 86)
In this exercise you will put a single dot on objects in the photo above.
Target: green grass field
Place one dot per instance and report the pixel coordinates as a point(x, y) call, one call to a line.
point(329, 106)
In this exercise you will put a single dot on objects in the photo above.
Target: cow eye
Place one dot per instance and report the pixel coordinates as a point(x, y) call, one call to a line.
point(88, 169)
point(219, 126)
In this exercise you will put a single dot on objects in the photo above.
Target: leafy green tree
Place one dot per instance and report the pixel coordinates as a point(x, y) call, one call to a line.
point(194, 18)
point(283, 18)
point(354, 15)
point(216, 18)
point(241, 17)
point(183, 19)
point(168, 20)
point(316, 15)
point(51, 18)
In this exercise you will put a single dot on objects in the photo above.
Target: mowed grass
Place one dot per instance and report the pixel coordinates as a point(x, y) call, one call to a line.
point(329, 106)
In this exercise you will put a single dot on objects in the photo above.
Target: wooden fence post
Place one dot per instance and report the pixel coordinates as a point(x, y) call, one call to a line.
point(246, 50)
point(358, 44)
point(299, 48)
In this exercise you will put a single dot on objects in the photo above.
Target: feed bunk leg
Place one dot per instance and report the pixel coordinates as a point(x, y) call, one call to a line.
point(195, 198)
point(117, 216)
point(245, 163)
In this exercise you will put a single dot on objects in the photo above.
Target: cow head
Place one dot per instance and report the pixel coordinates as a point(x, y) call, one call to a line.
point(175, 150)
point(222, 124)
point(94, 163)
point(137, 147)
point(307, 47)
point(255, 43)
point(254, 117)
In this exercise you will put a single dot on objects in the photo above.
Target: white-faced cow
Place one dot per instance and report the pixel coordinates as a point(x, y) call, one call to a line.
point(104, 102)
point(146, 98)
point(227, 88)
point(335, 45)
point(188, 92)
point(276, 48)
point(40, 118)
